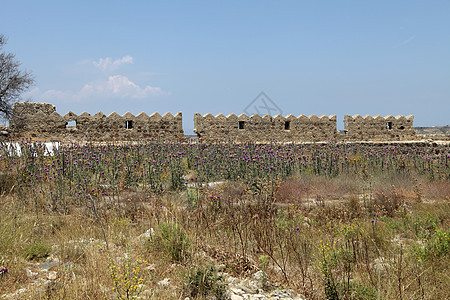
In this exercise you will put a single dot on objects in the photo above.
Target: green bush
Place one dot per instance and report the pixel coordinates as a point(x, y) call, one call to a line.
point(37, 251)
point(171, 239)
point(438, 245)
point(203, 282)
point(356, 290)
point(192, 196)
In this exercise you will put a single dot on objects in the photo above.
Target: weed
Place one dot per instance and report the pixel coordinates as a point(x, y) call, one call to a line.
point(264, 260)
point(389, 202)
point(127, 277)
point(37, 251)
point(325, 265)
point(3, 271)
point(438, 245)
point(172, 240)
point(7, 181)
point(356, 290)
point(203, 282)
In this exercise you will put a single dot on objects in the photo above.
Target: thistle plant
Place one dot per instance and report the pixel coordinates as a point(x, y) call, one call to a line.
point(3, 271)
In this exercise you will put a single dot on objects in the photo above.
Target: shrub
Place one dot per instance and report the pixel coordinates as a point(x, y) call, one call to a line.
point(436, 246)
point(171, 239)
point(37, 251)
point(389, 202)
point(192, 196)
point(356, 290)
point(73, 253)
point(204, 282)
point(127, 277)
point(292, 191)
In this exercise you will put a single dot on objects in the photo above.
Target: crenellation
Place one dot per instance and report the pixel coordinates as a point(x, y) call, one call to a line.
point(40, 120)
point(266, 128)
point(378, 128)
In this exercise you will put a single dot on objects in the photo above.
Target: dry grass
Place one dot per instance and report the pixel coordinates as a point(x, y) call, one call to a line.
point(361, 238)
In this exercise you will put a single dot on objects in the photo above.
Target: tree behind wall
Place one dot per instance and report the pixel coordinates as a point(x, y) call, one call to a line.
point(13, 81)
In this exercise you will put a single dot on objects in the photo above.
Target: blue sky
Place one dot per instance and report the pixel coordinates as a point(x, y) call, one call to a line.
point(309, 57)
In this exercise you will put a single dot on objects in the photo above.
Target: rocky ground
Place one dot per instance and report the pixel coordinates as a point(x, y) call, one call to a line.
point(48, 275)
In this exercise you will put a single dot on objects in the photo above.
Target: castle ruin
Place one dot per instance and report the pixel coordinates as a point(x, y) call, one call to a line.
point(302, 128)
point(266, 128)
point(41, 121)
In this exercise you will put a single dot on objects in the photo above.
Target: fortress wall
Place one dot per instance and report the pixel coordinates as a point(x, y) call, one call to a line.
point(40, 120)
point(377, 128)
point(266, 128)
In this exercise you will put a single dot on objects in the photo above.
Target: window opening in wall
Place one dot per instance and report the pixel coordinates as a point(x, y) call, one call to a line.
point(287, 125)
point(129, 124)
point(241, 124)
point(71, 124)
point(389, 125)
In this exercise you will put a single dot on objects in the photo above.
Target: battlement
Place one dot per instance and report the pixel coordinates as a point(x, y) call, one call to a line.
point(379, 128)
point(41, 120)
point(266, 128)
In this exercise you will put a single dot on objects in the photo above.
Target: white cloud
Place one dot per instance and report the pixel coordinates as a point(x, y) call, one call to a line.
point(115, 87)
point(107, 64)
point(120, 86)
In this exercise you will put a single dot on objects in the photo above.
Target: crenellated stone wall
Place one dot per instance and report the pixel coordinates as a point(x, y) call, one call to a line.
point(378, 128)
point(40, 120)
point(255, 128)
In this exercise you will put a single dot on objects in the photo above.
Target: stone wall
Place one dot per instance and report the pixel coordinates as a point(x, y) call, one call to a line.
point(41, 121)
point(377, 128)
point(255, 128)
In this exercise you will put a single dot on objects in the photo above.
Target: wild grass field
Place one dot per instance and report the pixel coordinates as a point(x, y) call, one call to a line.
point(175, 220)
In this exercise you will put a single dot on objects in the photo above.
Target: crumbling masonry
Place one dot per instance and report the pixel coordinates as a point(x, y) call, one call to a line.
point(266, 128)
point(302, 128)
point(41, 121)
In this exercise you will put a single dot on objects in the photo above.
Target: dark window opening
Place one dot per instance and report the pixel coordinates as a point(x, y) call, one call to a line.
point(287, 125)
point(401, 127)
point(71, 124)
point(389, 125)
point(129, 124)
point(241, 124)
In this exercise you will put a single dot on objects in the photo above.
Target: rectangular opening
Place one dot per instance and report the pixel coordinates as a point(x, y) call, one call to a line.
point(287, 125)
point(129, 124)
point(389, 125)
point(241, 124)
point(71, 124)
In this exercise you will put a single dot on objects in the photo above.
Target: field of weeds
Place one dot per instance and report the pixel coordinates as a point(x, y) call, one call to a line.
point(170, 220)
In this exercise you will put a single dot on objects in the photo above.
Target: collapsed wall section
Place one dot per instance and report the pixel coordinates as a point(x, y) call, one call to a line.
point(266, 128)
point(377, 128)
point(40, 120)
